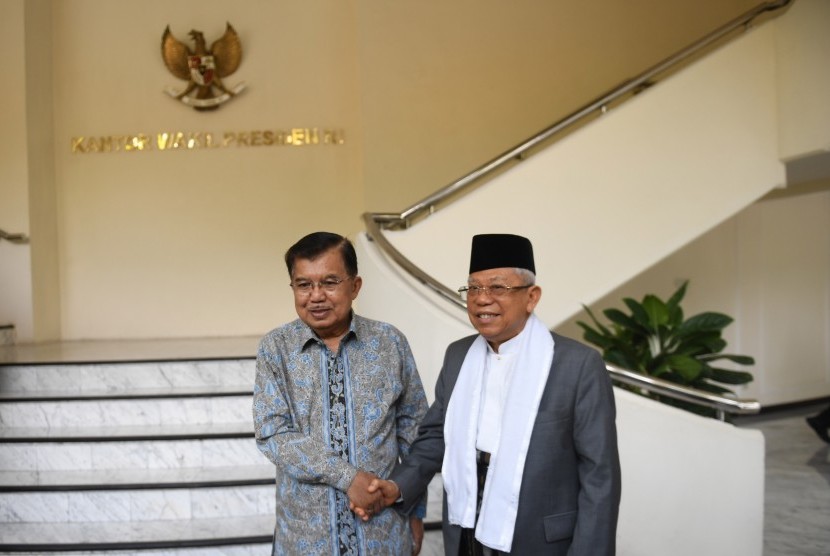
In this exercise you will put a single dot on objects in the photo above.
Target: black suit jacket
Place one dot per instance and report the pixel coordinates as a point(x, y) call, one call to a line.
point(570, 493)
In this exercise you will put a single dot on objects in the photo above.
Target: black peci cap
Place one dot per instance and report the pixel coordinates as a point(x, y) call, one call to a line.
point(501, 251)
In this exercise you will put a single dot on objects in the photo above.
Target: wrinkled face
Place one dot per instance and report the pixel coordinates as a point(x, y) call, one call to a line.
point(326, 312)
point(501, 318)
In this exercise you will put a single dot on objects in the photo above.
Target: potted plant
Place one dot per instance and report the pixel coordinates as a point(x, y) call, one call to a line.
point(655, 340)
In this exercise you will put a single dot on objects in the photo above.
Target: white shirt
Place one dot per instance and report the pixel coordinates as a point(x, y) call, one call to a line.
point(498, 373)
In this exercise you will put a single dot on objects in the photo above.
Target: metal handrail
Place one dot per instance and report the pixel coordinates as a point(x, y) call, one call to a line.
point(14, 238)
point(431, 203)
point(720, 404)
point(377, 222)
point(374, 231)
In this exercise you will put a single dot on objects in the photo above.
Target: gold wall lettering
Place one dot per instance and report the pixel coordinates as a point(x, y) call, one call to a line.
point(199, 140)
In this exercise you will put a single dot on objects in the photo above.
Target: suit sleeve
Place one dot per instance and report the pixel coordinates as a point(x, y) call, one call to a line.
point(426, 454)
point(598, 465)
point(411, 410)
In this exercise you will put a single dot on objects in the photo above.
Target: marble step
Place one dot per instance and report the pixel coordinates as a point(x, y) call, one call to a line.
point(132, 393)
point(126, 433)
point(111, 479)
point(261, 549)
point(124, 377)
point(256, 530)
point(209, 410)
point(135, 505)
point(130, 455)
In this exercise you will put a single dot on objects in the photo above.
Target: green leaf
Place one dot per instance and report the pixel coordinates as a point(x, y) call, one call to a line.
point(660, 369)
point(711, 343)
point(675, 317)
point(655, 340)
point(740, 359)
point(592, 336)
point(704, 322)
point(656, 310)
point(620, 359)
point(731, 377)
point(687, 367)
point(638, 313)
point(699, 343)
point(675, 313)
point(677, 297)
point(618, 317)
point(601, 328)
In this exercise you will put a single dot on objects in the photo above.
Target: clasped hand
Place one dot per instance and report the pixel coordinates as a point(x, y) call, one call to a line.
point(369, 494)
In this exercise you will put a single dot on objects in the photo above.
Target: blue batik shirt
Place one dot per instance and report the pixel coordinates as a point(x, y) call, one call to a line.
point(383, 402)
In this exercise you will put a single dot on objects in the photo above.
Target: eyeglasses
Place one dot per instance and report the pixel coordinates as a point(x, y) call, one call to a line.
point(305, 287)
point(494, 291)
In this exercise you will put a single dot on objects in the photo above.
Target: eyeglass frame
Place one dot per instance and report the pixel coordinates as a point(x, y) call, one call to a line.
point(499, 292)
point(327, 285)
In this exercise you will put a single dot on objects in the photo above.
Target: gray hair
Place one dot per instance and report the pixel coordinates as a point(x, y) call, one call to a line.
point(528, 277)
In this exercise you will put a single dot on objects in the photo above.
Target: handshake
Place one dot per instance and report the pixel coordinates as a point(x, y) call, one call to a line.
point(369, 494)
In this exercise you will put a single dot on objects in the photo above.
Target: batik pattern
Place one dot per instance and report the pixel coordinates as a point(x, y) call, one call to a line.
point(339, 442)
point(383, 403)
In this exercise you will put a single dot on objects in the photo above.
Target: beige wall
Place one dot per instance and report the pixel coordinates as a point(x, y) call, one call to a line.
point(768, 268)
point(804, 79)
point(14, 214)
point(15, 260)
point(189, 243)
point(42, 183)
point(446, 86)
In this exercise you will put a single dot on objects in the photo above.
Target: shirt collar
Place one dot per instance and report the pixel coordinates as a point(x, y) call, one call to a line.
point(307, 335)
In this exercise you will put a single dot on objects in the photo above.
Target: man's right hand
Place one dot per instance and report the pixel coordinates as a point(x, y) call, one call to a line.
point(363, 501)
point(387, 493)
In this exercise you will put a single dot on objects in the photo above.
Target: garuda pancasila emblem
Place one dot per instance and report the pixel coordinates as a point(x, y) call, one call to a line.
point(203, 68)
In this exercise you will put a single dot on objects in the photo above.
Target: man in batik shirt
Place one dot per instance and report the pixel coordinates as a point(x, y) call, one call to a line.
point(337, 402)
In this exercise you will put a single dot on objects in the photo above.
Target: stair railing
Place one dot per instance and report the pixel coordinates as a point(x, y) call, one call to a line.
point(722, 405)
point(377, 222)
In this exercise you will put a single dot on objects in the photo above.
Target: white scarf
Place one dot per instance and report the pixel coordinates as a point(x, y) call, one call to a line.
point(499, 506)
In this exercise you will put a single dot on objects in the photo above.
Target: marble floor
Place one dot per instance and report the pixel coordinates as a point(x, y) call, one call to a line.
point(92, 351)
point(797, 493)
